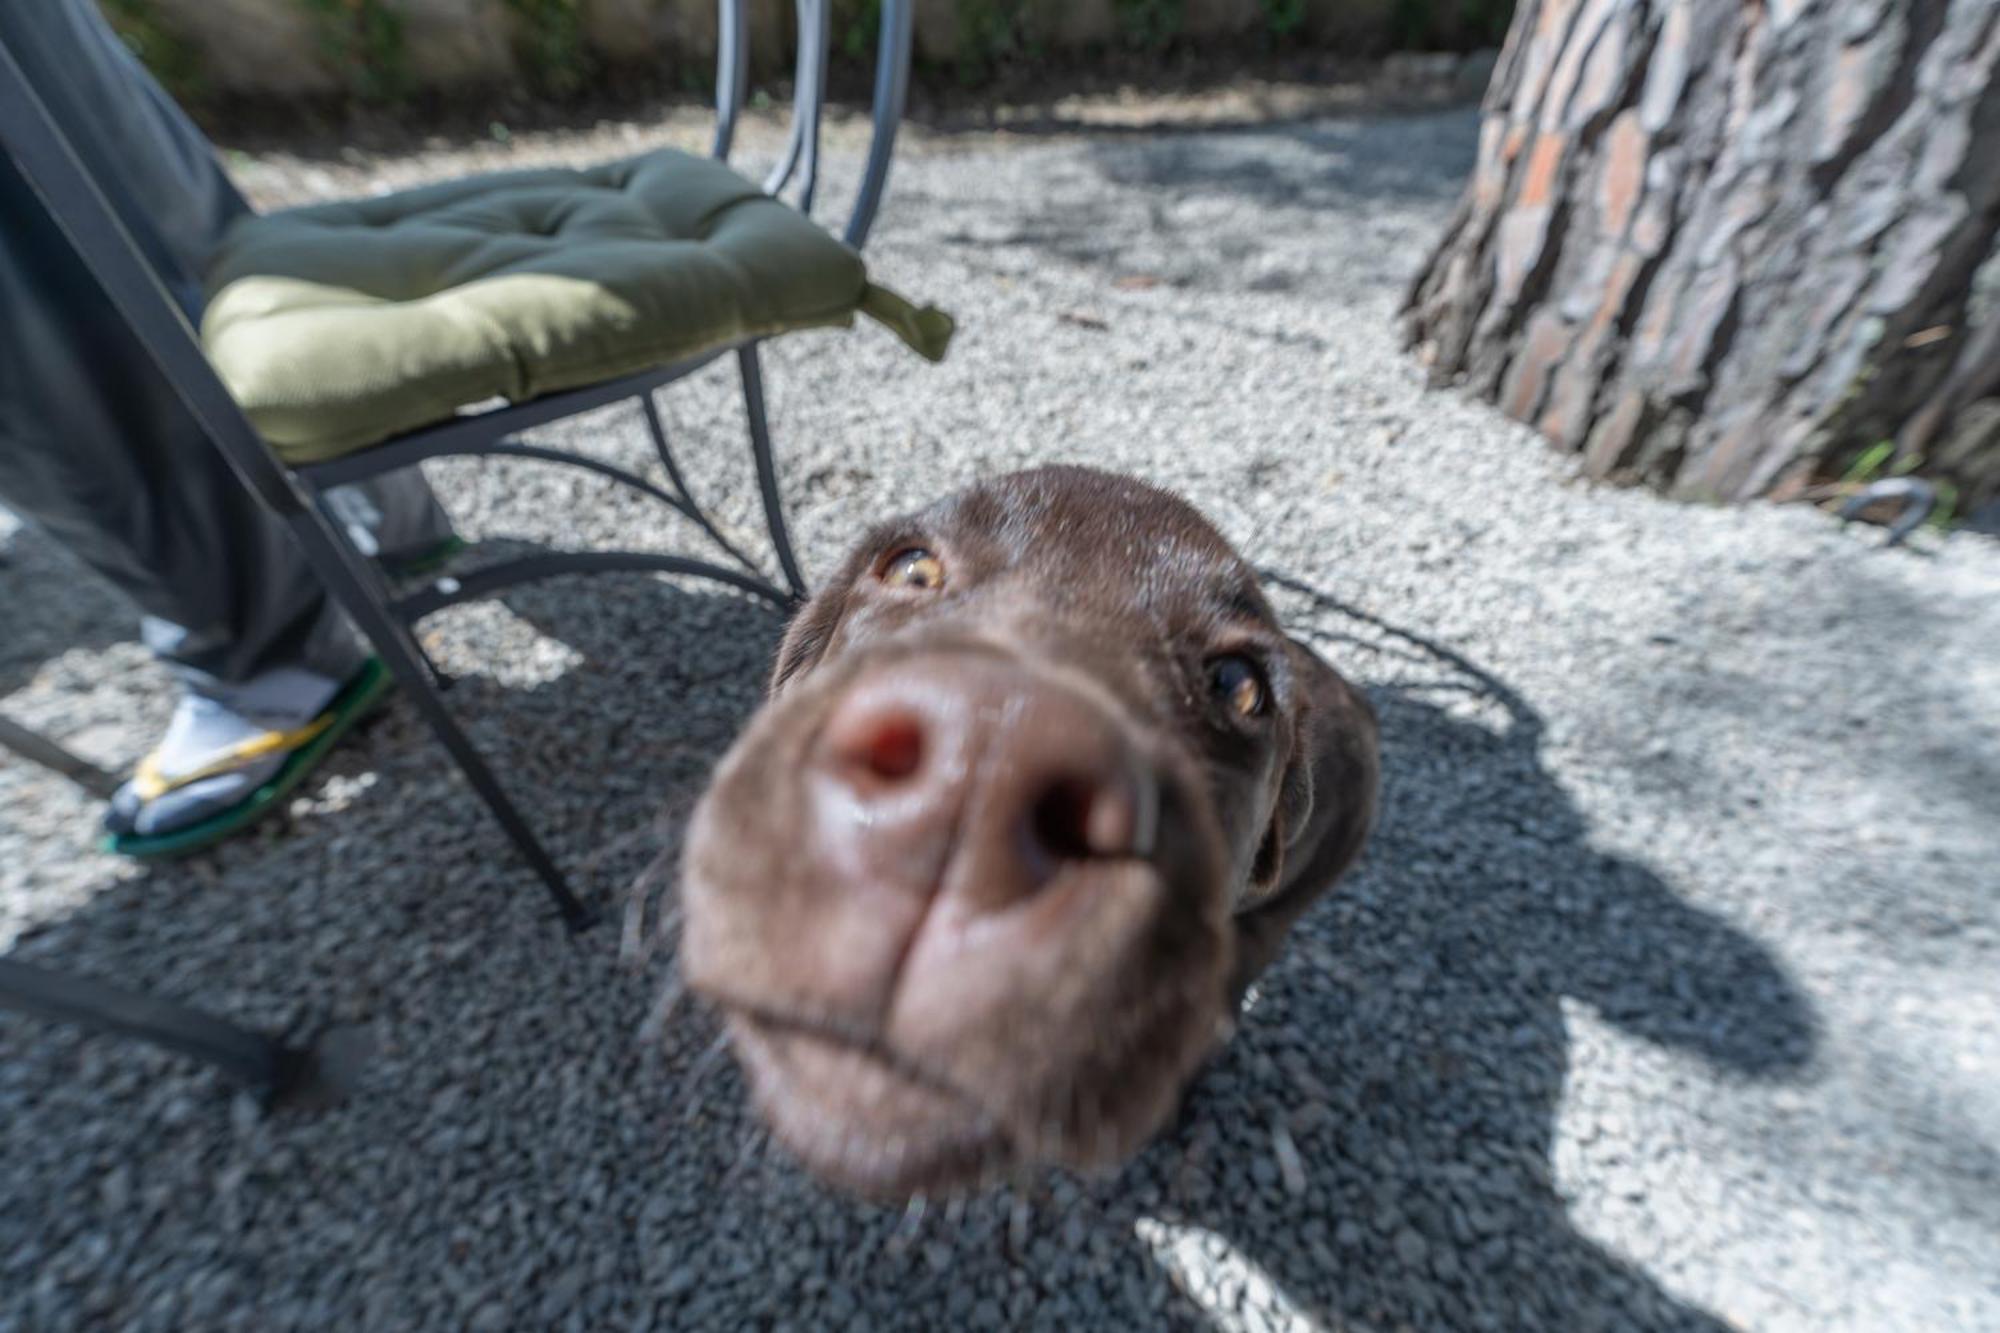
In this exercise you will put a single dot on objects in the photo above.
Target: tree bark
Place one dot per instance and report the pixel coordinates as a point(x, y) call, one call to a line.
point(1725, 246)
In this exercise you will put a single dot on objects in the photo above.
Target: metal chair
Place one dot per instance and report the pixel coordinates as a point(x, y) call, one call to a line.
point(298, 494)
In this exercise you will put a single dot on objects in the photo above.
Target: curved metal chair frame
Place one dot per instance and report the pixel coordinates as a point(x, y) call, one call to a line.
point(298, 494)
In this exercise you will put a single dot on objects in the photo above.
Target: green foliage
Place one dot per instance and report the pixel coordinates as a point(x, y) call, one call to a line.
point(1283, 17)
point(1868, 465)
point(989, 33)
point(364, 40)
point(551, 45)
point(1150, 25)
point(1947, 506)
point(171, 59)
point(861, 32)
point(1486, 21)
point(1424, 25)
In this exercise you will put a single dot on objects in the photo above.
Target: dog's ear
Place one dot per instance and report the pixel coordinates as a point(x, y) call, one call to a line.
point(1325, 807)
point(807, 636)
point(814, 625)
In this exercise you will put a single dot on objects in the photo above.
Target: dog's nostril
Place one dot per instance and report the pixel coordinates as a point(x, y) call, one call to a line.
point(886, 747)
point(1076, 818)
point(896, 749)
point(1061, 819)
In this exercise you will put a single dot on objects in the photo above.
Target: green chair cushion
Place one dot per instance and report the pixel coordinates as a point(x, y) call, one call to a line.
point(341, 325)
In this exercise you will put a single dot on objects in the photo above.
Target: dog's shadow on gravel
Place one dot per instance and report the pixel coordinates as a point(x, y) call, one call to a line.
point(1373, 1151)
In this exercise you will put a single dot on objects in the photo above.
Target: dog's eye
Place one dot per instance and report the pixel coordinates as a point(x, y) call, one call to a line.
point(1238, 684)
point(914, 568)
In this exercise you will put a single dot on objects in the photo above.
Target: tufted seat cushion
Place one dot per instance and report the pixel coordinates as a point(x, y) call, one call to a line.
point(339, 326)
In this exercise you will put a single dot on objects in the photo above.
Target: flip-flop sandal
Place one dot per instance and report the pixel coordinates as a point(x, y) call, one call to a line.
point(361, 693)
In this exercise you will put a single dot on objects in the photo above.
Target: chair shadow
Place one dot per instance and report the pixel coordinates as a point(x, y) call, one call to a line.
point(53, 606)
point(385, 898)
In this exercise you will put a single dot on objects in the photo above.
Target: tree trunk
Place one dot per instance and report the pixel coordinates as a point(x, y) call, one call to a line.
point(1725, 246)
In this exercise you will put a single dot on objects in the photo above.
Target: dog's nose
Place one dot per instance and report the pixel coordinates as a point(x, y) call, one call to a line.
point(974, 778)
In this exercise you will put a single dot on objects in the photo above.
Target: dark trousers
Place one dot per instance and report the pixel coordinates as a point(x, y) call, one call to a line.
point(95, 448)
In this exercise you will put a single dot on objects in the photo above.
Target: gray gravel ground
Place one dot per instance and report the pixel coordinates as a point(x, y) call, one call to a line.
point(1667, 998)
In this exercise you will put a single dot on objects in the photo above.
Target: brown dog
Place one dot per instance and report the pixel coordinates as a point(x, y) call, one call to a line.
point(1039, 789)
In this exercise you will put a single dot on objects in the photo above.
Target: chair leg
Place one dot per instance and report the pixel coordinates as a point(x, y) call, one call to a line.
point(440, 681)
point(354, 586)
point(767, 468)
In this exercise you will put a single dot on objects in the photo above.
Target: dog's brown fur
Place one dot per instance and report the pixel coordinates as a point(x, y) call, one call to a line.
point(909, 1028)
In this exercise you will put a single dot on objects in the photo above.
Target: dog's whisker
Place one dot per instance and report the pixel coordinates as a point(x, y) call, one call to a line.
point(1291, 1166)
point(635, 944)
point(630, 838)
point(632, 949)
point(668, 927)
point(672, 992)
point(912, 1224)
point(747, 1152)
point(705, 1065)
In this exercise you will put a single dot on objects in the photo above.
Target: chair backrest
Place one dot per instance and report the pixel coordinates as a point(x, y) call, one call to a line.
point(801, 155)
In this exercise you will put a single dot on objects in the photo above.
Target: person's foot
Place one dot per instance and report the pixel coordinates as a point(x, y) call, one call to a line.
point(217, 767)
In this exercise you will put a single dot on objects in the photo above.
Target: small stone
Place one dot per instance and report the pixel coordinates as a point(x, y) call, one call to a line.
point(490, 1317)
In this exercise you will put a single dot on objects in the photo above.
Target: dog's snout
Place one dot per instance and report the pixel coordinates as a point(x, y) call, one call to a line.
point(972, 777)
